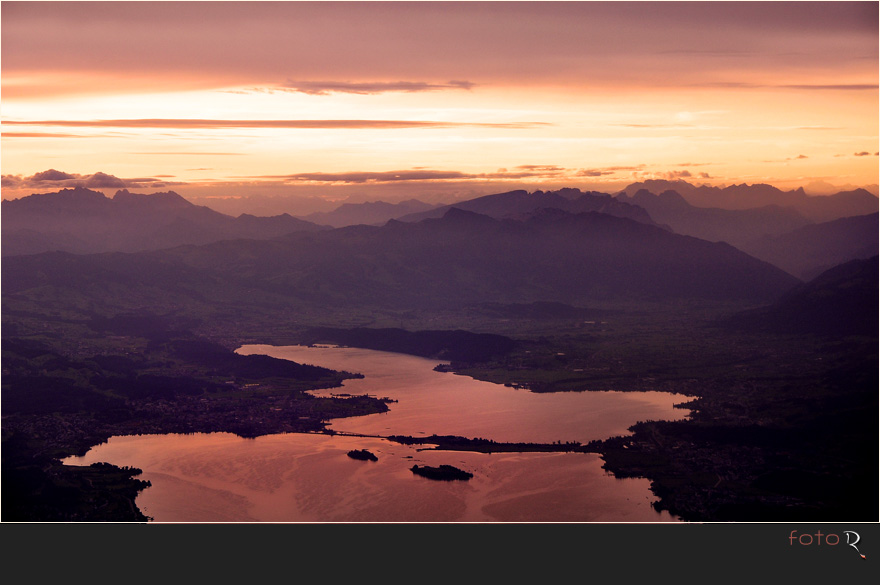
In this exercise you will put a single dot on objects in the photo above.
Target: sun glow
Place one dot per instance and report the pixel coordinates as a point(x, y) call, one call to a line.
point(593, 116)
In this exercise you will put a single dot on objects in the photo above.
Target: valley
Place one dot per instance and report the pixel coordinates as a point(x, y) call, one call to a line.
point(780, 373)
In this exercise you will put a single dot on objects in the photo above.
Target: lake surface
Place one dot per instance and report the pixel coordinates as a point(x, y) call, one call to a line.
point(444, 403)
point(220, 477)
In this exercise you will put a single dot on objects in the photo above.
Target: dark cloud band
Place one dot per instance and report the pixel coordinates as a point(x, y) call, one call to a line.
point(195, 123)
point(327, 87)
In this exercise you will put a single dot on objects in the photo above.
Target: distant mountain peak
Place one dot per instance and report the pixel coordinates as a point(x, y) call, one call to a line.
point(670, 196)
point(570, 193)
point(859, 192)
point(745, 196)
point(78, 192)
point(84, 221)
point(369, 212)
point(460, 216)
point(165, 197)
point(63, 199)
point(123, 194)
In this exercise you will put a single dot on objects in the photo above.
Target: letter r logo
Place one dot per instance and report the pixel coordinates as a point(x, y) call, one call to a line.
point(853, 541)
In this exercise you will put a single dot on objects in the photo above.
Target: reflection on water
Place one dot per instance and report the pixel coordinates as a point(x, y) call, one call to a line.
point(444, 403)
point(219, 477)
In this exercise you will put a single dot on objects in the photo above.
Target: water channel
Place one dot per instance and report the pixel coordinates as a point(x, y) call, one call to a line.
point(220, 477)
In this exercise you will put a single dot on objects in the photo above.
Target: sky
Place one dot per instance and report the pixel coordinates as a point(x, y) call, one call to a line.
point(325, 101)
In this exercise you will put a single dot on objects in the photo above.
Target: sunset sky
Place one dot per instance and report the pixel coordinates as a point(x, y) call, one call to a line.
point(435, 100)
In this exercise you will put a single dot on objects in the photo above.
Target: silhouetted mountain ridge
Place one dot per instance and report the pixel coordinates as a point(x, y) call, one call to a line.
point(841, 301)
point(370, 213)
point(84, 221)
point(520, 202)
point(807, 251)
point(461, 259)
point(734, 226)
point(818, 208)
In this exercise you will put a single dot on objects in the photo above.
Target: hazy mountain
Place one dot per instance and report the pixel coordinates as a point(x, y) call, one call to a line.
point(263, 204)
point(460, 259)
point(517, 203)
point(826, 188)
point(841, 301)
point(84, 221)
point(734, 226)
point(809, 250)
point(815, 208)
point(369, 213)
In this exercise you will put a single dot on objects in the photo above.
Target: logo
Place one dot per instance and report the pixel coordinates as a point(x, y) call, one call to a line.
point(854, 540)
point(831, 539)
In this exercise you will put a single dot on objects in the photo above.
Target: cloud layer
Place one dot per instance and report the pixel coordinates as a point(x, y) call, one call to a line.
point(190, 123)
point(53, 179)
point(364, 88)
point(368, 47)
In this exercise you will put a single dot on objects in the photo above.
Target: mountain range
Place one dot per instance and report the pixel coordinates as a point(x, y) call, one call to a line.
point(780, 235)
point(816, 208)
point(369, 213)
point(460, 259)
point(843, 300)
point(810, 250)
point(84, 221)
point(734, 226)
point(520, 202)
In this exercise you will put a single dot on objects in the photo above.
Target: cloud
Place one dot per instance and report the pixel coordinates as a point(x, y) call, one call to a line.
point(537, 172)
point(626, 168)
point(545, 168)
point(363, 88)
point(55, 179)
point(190, 153)
point(104, 181)
point(241, 44)
point(195, 123)
point(781, 160)
point(10, 181)
point(422, 175)
point(667, 175)
point(863, 153)
point(607, 171)
point(52, 175)
point(40, 135)
point(798, 86)
point(594, 173)
point(839, 86)
point(374, 177)
point(652, 126)
point(158, 182)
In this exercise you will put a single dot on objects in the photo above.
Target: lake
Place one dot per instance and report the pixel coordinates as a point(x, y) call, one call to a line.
point(220, 477)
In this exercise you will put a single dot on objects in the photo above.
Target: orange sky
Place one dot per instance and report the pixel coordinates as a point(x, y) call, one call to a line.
point(435, 100)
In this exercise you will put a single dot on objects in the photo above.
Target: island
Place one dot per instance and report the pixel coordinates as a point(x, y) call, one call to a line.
point(362, 455)
point(443, 472)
